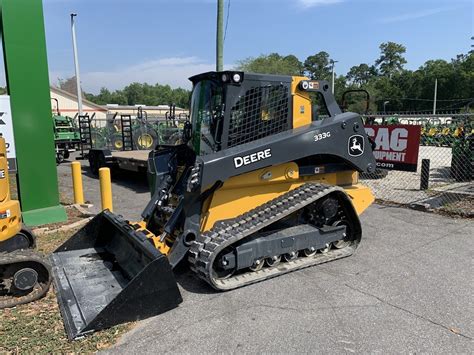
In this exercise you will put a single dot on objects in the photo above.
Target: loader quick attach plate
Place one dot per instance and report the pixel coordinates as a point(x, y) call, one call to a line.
point(108, 274)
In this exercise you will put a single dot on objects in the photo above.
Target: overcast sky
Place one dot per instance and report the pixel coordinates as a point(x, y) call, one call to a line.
point(167, 41)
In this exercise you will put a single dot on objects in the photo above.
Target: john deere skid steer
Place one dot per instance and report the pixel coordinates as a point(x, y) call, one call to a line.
point(257, 189)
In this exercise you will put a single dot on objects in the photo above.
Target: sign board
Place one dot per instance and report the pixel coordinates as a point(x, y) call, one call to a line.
point(396, 147)
point(6, 129)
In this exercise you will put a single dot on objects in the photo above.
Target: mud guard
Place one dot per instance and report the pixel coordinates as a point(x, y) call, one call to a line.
point(107, 274)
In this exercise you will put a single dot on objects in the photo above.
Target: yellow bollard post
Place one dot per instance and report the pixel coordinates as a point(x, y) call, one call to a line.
point(77, 182)
point(105, 188)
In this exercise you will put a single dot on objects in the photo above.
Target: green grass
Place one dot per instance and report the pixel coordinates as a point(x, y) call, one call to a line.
point(38, 328)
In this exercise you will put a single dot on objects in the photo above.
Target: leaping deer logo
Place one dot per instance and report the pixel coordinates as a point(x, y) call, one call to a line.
point(356, 146)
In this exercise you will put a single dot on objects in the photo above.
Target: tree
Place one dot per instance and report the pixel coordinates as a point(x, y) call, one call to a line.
point(361, 74)
point(391, 58)
point(272, 63)
point(106, 97)
point(318, 66)
point(144, 94)
point(405, 89)
point(69, 85)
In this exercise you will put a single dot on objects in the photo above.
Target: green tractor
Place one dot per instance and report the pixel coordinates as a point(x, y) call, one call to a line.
point(66, 135)
point(462, 161)
point(148, 134)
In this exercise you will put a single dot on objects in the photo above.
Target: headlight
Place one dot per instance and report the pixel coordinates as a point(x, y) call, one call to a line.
point(236, 78)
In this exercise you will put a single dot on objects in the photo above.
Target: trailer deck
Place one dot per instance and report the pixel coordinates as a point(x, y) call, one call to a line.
point(134, 160)
point(141, 155)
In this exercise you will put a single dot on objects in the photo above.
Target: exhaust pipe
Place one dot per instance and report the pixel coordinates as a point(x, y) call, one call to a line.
point(107, 274)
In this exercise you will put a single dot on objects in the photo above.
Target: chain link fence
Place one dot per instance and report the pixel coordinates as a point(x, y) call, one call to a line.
point(444, 176)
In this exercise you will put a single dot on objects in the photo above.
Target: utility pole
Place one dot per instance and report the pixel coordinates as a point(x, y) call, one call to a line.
point(220, 36)
point(76, 64)
point(333, 74)
point(435, 96)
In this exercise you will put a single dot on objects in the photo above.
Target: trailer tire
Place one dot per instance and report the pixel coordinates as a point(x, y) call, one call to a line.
point(96, 161)
point(59, 158)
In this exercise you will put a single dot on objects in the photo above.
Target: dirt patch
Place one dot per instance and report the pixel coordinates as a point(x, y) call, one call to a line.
point(463, 208)
point(38, 328)
point(73, 215)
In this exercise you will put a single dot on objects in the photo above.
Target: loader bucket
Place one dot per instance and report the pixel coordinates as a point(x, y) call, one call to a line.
point(107, 274)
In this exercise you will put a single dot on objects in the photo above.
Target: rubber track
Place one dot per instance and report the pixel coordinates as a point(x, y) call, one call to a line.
point(41, 288)
point(225, 233)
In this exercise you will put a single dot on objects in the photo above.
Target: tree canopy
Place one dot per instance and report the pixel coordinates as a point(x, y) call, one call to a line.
point(272, 63)
point(386, 79)
point(318, 66)
point(144, 94)
point(391, 58)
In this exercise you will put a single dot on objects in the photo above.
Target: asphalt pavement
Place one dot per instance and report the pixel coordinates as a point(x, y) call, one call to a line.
point(407, 289)
point(129, 189)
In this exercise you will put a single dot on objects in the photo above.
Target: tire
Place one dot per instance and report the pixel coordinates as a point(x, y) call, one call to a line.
point(97, 140)
point(145, 138)
point(59, 158)
point(25, 231)
point(175, 139)
point(117, 142)
point(96, 161)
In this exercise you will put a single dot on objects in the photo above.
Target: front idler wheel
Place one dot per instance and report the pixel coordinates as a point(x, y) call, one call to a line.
point(257, 265)
point(222, 267)
point(25, 279)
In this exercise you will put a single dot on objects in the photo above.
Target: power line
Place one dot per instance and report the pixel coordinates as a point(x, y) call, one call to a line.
point(227, 19)
point(416, 99)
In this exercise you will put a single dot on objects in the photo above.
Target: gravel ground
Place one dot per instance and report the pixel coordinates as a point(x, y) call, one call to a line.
point(404, 187)
point(407, 289)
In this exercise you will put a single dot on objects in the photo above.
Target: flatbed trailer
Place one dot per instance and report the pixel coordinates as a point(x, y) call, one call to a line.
point(131, 160)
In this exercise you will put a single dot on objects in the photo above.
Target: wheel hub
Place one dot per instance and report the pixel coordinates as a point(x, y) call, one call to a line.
point(145, 140)
point(25, 279)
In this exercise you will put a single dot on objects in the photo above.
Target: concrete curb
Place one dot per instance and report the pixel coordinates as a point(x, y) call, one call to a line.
point(84, 209)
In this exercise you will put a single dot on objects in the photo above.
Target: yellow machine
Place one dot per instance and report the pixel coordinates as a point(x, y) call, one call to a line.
point(260, 186)
point(24, 275)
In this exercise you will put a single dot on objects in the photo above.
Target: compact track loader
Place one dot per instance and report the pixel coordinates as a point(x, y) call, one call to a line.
point(25, 275)
point(257, 189)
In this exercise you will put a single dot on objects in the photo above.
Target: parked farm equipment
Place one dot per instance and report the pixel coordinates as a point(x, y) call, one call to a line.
point(66, 135)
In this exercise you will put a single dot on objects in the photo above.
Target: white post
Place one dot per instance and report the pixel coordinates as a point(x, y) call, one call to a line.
point(76, 64)
point(333, 62)
point(435, 96)
point(332, 85)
